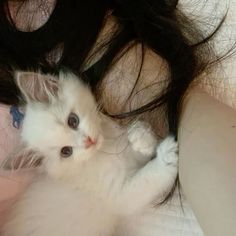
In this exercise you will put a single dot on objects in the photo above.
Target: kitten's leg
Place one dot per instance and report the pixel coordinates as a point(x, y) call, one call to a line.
point(142, 138)
point(154, 180)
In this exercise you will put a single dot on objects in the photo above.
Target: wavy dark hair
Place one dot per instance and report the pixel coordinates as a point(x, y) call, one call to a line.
point(74, 26)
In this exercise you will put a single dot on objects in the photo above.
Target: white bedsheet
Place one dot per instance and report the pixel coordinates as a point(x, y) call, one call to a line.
point(170, 219)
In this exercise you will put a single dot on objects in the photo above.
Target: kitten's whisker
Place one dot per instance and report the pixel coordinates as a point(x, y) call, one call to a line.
point(116, 137)
point(115, 153)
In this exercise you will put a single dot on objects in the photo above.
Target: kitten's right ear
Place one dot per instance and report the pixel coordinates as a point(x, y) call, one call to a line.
point(22, 158)
point(37, 87)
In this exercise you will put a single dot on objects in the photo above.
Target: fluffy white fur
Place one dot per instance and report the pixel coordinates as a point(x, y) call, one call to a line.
point(89, 192)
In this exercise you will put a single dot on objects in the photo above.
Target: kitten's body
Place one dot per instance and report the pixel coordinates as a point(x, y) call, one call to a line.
point(87, 193)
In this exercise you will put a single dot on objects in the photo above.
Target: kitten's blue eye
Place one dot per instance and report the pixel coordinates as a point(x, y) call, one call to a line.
point(66, 151)
point(73, 121)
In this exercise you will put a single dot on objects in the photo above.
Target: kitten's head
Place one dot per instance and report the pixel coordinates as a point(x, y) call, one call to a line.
point(61, 119)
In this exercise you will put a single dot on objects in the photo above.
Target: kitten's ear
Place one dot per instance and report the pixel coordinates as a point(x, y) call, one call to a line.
point(37, 87)
point(22, 158)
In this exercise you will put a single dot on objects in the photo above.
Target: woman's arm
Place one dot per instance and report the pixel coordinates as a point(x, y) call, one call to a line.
point(207, 140)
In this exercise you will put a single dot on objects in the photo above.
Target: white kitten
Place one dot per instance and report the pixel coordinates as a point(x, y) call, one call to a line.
point(91, 176)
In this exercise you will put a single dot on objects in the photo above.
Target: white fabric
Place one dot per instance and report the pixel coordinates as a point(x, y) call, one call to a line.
point(171, 219)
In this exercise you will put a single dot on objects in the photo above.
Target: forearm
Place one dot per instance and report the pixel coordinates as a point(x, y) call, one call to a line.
point(207, 165)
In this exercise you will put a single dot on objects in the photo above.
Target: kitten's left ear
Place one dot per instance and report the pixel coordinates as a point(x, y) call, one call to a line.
point(22, 158)
point(37, 87)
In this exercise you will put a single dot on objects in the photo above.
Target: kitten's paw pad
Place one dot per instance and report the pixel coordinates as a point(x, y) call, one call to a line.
point(167, 151)
point(142, 138)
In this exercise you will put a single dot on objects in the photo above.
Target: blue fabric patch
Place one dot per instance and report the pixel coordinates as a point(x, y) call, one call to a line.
point(17, 116)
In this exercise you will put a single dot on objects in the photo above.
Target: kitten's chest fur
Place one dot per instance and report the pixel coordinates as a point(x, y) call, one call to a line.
point(103, 176)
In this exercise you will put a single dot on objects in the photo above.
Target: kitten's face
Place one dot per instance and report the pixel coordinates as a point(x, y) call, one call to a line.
point(63, 125)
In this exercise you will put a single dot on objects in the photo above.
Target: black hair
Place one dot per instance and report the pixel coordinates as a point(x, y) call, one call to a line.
point(74, 25)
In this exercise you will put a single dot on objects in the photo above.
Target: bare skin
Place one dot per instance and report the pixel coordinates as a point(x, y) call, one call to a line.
point(207, 162)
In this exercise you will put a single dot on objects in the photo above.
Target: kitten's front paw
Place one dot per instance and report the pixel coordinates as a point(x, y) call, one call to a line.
point(142, 138)
point(167, 151)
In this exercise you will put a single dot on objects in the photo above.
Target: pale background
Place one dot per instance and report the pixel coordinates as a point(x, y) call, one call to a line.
point(224, 87)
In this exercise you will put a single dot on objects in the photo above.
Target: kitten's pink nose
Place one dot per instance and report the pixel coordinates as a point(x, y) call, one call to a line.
point(90, 142)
